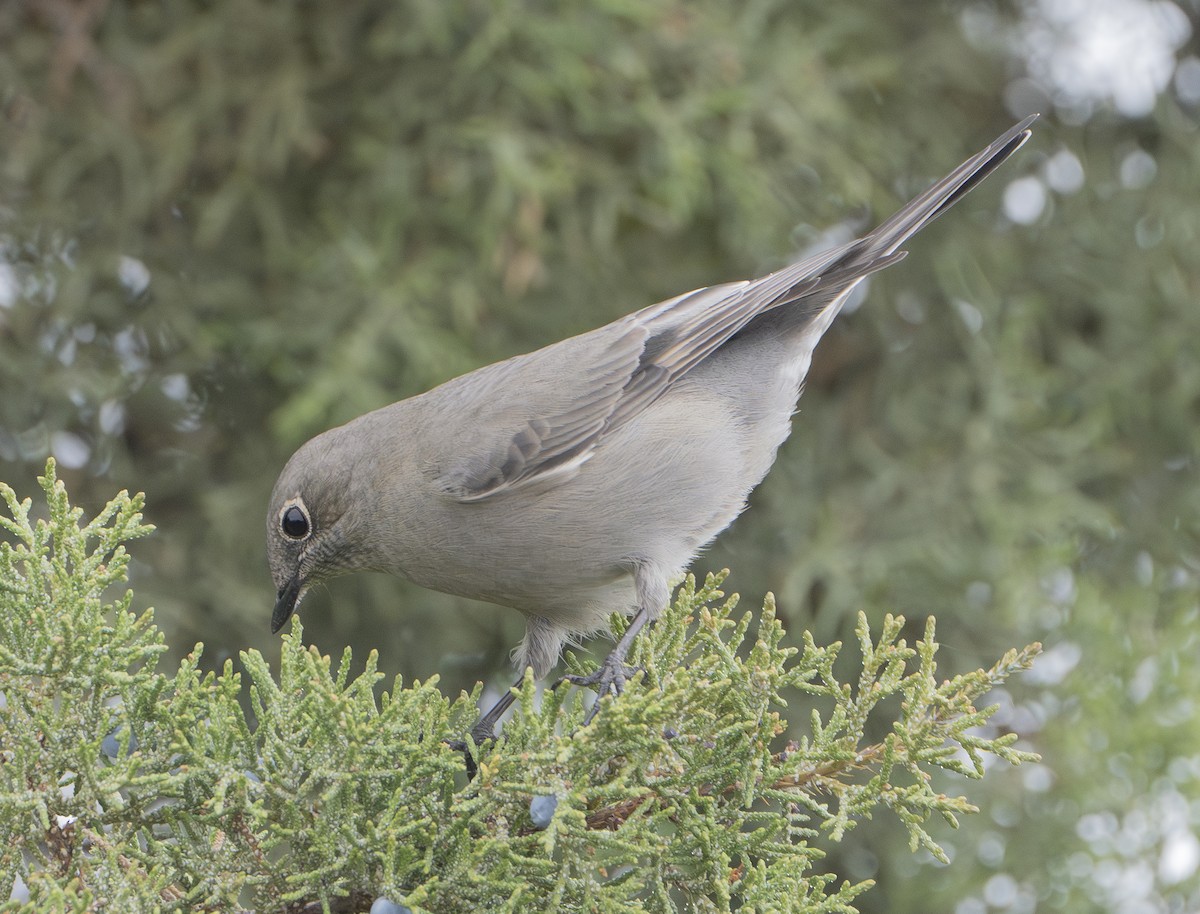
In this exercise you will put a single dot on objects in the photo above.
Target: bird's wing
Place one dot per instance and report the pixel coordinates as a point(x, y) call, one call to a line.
point(577, 391)
point(551, 407)
point(557, 404)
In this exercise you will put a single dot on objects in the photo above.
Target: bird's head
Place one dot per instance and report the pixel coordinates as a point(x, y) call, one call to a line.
point(313, 532)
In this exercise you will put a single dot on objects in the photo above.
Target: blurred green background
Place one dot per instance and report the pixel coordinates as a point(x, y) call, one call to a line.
point(226, 226)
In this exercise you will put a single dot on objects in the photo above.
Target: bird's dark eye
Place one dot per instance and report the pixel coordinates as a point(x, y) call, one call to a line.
point(294, 523)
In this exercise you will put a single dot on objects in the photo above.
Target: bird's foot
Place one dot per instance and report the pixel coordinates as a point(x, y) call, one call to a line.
point(483, 732)
point(608, 679)
point(460, 746)
point(485, 728)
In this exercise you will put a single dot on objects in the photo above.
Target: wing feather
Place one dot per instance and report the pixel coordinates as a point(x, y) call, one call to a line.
point(577, 391)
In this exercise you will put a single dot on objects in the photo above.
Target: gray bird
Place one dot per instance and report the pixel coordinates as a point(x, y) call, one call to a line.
point(579, 480)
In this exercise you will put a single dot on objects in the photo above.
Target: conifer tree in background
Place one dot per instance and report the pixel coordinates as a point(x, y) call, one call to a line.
point(226, 226)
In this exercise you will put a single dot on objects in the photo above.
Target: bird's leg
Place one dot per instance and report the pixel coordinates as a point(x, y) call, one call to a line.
point(653, 592)
point(613, 672)
point(485, 727)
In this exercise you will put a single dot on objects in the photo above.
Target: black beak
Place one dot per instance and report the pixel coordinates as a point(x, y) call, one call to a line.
point(285, 603)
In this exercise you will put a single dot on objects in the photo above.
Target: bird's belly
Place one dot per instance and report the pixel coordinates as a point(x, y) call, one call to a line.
point(546, 576)
point(658, 490)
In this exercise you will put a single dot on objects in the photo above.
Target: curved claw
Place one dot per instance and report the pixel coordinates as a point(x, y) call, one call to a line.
point(460, 746)
point(613, 673)
point(483, 732)
point(609, 679)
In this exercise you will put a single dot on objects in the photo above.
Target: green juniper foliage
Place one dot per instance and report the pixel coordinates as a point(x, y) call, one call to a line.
point(128, 789)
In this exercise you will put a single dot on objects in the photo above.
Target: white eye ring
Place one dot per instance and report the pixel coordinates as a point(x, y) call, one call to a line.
point(294, 522)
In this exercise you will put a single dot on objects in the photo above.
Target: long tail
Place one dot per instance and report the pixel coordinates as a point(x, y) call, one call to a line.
point(803, 298)
point(822, 283)
point(922, 210)
point(881, 247)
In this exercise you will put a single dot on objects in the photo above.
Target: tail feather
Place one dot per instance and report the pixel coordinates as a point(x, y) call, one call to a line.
point(926, 207)
point(823, 282)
